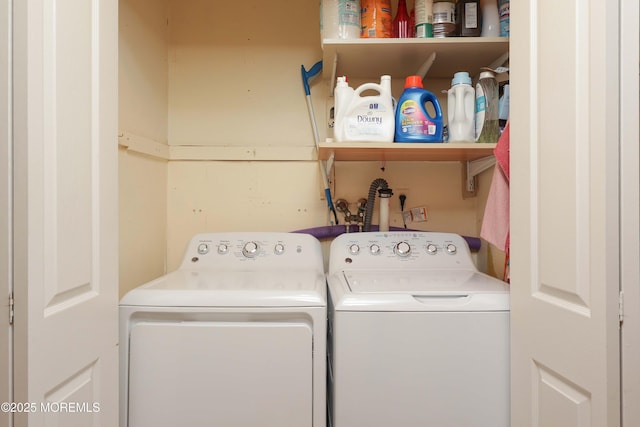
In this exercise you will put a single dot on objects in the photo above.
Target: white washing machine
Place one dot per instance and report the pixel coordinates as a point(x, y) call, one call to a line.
point(417, 336)
point(235, 337)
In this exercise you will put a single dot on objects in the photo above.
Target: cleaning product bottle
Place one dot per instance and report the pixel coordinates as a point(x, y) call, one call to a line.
point(412, 23)
point(400, 24)
point(364, 118)
point(461, 108)
point(423, 18)
point(503, 12)
point(469, 18)
point(487, 127)
point(503, 107)
point(444, 19)
point(414, 122)
point(490, 18)
point(342, 94)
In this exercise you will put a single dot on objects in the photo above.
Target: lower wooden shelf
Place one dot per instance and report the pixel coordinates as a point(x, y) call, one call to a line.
point(402, 151)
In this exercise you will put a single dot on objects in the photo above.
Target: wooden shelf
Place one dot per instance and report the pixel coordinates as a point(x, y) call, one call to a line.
point(371, 58)
point(398, 151)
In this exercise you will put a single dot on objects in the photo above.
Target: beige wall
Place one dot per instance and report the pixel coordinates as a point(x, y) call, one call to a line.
point(143, 56)
point(143, 218)
point(214, 90)
point(143, 94)
point(234, 71)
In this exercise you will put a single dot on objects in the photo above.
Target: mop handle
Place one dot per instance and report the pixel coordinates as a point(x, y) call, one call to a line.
point(306, 75)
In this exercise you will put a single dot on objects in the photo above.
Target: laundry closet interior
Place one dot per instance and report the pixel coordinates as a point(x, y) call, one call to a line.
point(215, 134)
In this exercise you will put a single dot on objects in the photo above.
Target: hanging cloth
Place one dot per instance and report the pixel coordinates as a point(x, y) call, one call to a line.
point(495, 224)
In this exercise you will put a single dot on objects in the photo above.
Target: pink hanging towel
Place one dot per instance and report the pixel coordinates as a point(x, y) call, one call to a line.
point(495, 224)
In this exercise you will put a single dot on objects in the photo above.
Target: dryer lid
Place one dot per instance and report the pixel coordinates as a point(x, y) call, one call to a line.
point(221, 288)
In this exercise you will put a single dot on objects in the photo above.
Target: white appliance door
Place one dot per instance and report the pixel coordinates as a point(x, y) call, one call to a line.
point(202, 373)
point(421, 369)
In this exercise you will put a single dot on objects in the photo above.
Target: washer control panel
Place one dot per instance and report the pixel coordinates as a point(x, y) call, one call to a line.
point(235, 250)
point(379, 250)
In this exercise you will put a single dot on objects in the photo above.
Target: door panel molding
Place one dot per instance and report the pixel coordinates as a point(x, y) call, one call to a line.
point(557, 396)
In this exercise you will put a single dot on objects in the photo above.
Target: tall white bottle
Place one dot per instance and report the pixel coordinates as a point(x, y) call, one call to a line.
point(461, 102)
point(342, 94)
point(490, 18)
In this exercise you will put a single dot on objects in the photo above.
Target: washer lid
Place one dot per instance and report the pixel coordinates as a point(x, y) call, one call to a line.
point(428, 290)
point(231, 289)
point(421, 282)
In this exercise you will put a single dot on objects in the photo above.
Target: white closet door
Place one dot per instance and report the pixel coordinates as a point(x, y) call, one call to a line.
point(564, 213)
point(5, 206)
point(65, 211)
point(630, 208)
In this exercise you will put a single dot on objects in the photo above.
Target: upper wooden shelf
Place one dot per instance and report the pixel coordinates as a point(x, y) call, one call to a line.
point(398, 151)
point(371, 58)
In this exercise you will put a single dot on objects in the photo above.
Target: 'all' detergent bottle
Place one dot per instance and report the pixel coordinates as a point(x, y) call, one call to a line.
point(414, 123)
point(461, 104)
point(364, 118)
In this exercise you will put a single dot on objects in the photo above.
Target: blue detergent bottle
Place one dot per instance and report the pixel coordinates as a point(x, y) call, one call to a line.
point(414, 123)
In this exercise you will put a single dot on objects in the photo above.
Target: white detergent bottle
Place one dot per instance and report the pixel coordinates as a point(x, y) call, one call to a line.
point(364, 118)
point(342, 94)
point(461, 108)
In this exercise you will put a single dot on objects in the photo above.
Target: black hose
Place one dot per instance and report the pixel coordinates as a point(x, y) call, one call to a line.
point(377, 183)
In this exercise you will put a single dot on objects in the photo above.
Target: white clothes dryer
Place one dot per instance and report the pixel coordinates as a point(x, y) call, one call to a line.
point(417, 336)
point(235, 337)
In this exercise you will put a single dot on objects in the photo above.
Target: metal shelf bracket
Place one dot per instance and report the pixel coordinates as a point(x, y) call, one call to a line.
point(475, 167)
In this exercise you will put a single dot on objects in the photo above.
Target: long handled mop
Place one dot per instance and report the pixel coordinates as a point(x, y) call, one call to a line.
point(306, 75)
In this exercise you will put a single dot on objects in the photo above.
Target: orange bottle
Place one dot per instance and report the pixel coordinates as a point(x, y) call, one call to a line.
point(376, 19)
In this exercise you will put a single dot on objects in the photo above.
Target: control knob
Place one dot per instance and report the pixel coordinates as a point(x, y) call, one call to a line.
point(432, 249)
point(250, 249)
point(402, 249)
point(374, 249)
point(279, 249)
point(451, 248)
point(354, 249)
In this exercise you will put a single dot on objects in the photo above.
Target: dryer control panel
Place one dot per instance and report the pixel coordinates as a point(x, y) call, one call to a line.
point(239, 250)
point(399, 249)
